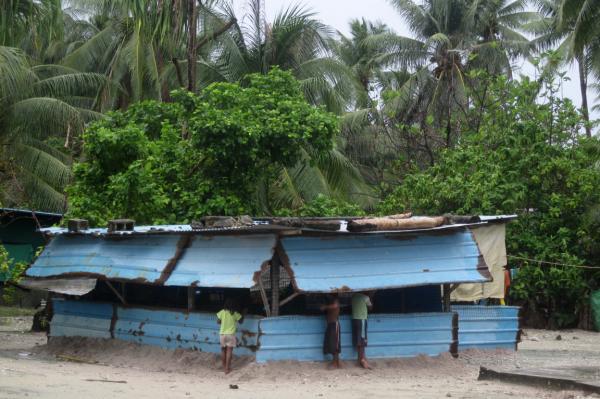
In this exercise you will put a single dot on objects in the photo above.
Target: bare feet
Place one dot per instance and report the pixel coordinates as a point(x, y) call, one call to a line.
point(365, 364)
point(227, 371)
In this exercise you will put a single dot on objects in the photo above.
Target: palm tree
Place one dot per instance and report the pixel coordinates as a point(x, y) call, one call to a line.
point(297, 42)
point(16, 17)
point(367, 131)
point(498, 25)
point(354, 53)
point(567, 29)
point(125, 47)
point(144, 46)
point(294, 41)
point(579, 21)
point(38, 103)
point(450, 38)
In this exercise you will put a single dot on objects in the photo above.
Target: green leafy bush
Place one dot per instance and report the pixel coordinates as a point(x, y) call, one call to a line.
point(12, 272)
point(323, 206)
point(199, 155)
point(527, 157)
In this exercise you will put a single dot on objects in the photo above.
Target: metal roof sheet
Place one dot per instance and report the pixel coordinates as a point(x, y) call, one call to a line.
point(27, 212)
point(167, 228)
point(363, 262)
point(134, 258)
point(260, 226)
point(223, 261)
point(498, 218)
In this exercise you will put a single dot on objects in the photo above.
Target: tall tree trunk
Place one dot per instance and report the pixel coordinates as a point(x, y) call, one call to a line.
point(191, 45)
point(583, 89)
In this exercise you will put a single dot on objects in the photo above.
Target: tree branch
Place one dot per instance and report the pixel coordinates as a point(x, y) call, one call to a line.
point(202, 42)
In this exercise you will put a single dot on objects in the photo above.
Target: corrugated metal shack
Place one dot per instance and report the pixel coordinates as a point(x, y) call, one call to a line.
point(161, 285)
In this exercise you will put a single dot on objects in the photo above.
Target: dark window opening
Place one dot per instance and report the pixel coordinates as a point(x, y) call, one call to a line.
point(211, 299)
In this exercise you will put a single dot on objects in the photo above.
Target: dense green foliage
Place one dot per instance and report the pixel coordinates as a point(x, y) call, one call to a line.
point(39, 104)
point(323, 206)
point(199, 155)
point(11, 273)
point(527, 157)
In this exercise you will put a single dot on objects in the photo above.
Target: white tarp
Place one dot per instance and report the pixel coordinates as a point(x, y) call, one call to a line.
point(491, 242)
point(70, 286)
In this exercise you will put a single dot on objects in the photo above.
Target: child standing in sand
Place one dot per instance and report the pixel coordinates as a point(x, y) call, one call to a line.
point(332, 342)
point(228, 319)
point(361, 303)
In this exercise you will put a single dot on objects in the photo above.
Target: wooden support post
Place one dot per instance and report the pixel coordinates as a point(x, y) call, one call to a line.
point(288, 299)
point(263, 295)
point(123, 291)
point(275, 275)
point(446, 296)
point(113, 289)
point(191, 298)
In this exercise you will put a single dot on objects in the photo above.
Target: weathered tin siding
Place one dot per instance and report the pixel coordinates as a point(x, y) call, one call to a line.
point(172, 329)
point(377, 261)
point(81, 319)
point(223, 261)
point(293, 337)
point(390, 335)
point(487, 327)
point(140, 258)
point(169, 329)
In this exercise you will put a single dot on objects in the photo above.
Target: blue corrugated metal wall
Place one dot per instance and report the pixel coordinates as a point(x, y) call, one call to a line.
point(293, 337)
point(301, 337)
point(172, 329)
point(487, 327)
point(81, 319)
point(165, 328)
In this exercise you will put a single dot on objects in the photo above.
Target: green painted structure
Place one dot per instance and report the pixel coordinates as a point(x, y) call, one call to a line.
point(19, 232)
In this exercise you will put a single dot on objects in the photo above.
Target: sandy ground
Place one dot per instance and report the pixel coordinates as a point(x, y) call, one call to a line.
point(30, 367)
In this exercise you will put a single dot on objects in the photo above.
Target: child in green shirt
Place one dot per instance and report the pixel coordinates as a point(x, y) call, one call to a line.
point(228, 319)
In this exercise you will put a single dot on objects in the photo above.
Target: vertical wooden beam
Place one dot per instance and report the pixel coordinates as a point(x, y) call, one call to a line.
point(117, 293)
point(263, 295)
point(446, 296)
point(275, 276)
point(123, 292)
point(191, 298)
point(191, 44)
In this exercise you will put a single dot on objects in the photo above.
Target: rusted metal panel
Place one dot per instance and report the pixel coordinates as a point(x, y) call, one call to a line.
point(390, 336)
point(80, 319)
point(363, 262)
point(487, 327)
point(69, 286)
point(135, 258)
point(223, 261)
point(179, 329)
point(257, 228)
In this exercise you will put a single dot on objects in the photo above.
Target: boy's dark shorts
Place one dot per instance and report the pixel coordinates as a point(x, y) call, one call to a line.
point(359, 332)
point(332, 343)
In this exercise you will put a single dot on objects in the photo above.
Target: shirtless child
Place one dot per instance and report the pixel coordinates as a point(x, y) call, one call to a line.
point(332, 343)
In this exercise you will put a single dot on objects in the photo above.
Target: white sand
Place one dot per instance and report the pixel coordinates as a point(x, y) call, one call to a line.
point(30, 368)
